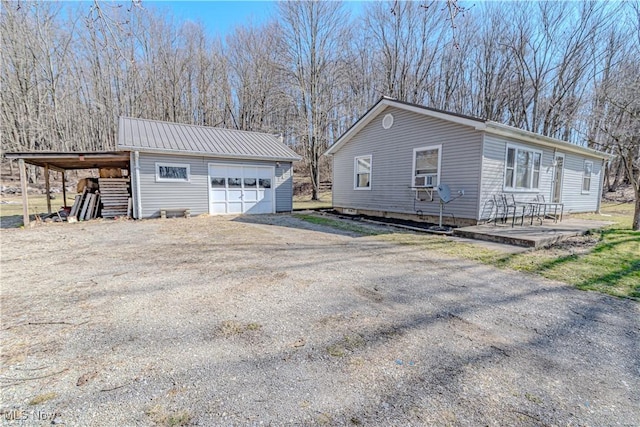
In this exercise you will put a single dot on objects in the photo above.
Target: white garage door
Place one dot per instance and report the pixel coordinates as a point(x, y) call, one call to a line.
point(240, 189)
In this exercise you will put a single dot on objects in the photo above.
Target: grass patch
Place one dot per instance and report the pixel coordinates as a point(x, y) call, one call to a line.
point(41, 398)
point(301, 202)
point(338, 224)
point(37, 204)
point(620, 213)
point(11, 208)
point(254, 326)
point(611, 266)
point(230, 328)
point(160, 416)
point(533, 398)
point(608, 261)
point(349, 343)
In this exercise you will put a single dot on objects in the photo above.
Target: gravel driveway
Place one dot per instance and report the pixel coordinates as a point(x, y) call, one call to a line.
point(270, 320)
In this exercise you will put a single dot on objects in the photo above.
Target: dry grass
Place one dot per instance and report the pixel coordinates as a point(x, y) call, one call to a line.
point(303, 201)
point(163, 417)
point(348, 344)
point(230, 328)
point(41, 398)
point(11, 208)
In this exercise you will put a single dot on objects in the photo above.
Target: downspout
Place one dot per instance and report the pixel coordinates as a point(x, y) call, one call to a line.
point(136, 167)
point(554, 166)
point(480, 205)
point(601, 187)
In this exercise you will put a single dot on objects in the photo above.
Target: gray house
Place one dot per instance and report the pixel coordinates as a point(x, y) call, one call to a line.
point(390, 161)
point(205, 169)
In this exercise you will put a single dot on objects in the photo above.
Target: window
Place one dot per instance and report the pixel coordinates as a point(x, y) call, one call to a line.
point(522, 169)
point(218, 182)
point(264, 183)
point(172, 172)
point(586, 176)
point(426, 166)
point(362, 173)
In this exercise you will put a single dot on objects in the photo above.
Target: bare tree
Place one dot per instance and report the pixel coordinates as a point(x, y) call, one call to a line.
point(567, 70)
point(255, 73)
point(314, 36)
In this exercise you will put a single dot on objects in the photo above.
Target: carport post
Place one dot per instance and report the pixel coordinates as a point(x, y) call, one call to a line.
point(64, 189)
point(23, 185)
point(46, 186)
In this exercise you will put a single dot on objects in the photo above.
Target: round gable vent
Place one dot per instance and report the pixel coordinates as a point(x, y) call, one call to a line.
point(387, 121)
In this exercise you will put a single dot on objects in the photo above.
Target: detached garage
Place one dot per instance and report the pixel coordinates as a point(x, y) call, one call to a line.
point(205, 169)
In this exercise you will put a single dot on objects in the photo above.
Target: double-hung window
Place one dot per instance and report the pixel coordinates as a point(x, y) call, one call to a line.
point(426, 166)
point(362, 173)
point(586, 176)
point(522, 168)
point(173, 172)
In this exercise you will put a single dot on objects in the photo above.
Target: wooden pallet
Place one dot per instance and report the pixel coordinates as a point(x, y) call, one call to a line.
point(114, 195)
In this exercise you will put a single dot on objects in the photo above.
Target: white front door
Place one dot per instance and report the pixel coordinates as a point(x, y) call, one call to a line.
point(236, 189)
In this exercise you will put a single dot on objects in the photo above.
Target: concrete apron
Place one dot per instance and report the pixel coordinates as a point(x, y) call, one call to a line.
point(535, 236)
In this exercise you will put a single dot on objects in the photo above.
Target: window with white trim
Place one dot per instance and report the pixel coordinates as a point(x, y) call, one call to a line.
point(426, 166)
point(586, 176)
point(522, 168)
point(362, 173)
point(173, 172)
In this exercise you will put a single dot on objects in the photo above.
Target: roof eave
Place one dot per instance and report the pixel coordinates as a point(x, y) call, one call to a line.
point(527, 136)
point(208, 154)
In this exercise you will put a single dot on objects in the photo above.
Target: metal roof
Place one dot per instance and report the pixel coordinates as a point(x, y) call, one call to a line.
point(157, 136)
point(476, 123)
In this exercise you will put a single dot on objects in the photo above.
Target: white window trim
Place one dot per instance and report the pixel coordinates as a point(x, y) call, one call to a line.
point(413, 166)
point(176, 165)
point(583, 177)
point(355, 171)
point(517, 147)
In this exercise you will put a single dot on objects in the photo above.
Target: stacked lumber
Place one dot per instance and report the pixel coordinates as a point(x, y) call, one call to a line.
point(115, 196)
point(110, 173)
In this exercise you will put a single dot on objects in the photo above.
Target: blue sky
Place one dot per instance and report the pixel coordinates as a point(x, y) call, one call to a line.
point(221, 17)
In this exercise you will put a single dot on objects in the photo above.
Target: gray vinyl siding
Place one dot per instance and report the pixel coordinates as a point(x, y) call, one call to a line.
point(284, 187)
point(194, 195)
point(494, 155)
point(572, 196)
point(392, 165)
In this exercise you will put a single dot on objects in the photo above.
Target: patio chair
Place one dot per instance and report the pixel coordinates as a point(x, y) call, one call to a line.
point(513, 205)
point(500, 209)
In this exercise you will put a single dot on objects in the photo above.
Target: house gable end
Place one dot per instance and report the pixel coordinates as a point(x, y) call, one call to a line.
point(383, 106)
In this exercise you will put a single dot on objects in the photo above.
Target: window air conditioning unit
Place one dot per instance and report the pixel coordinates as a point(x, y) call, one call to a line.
point(430, 180)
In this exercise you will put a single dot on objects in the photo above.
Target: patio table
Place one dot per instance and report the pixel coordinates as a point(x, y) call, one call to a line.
point(539, 210)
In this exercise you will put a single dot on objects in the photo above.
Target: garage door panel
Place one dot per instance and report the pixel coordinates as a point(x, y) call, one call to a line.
point(219, 208)
point(250, 196)
point(234, 195)
point(219, 195)
point(234, 207)
point(240, 189)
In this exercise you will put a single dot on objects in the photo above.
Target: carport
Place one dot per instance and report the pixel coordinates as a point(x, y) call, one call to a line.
point(62, 162)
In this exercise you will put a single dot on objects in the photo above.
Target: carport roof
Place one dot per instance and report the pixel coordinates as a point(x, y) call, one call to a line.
point(62, 161)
